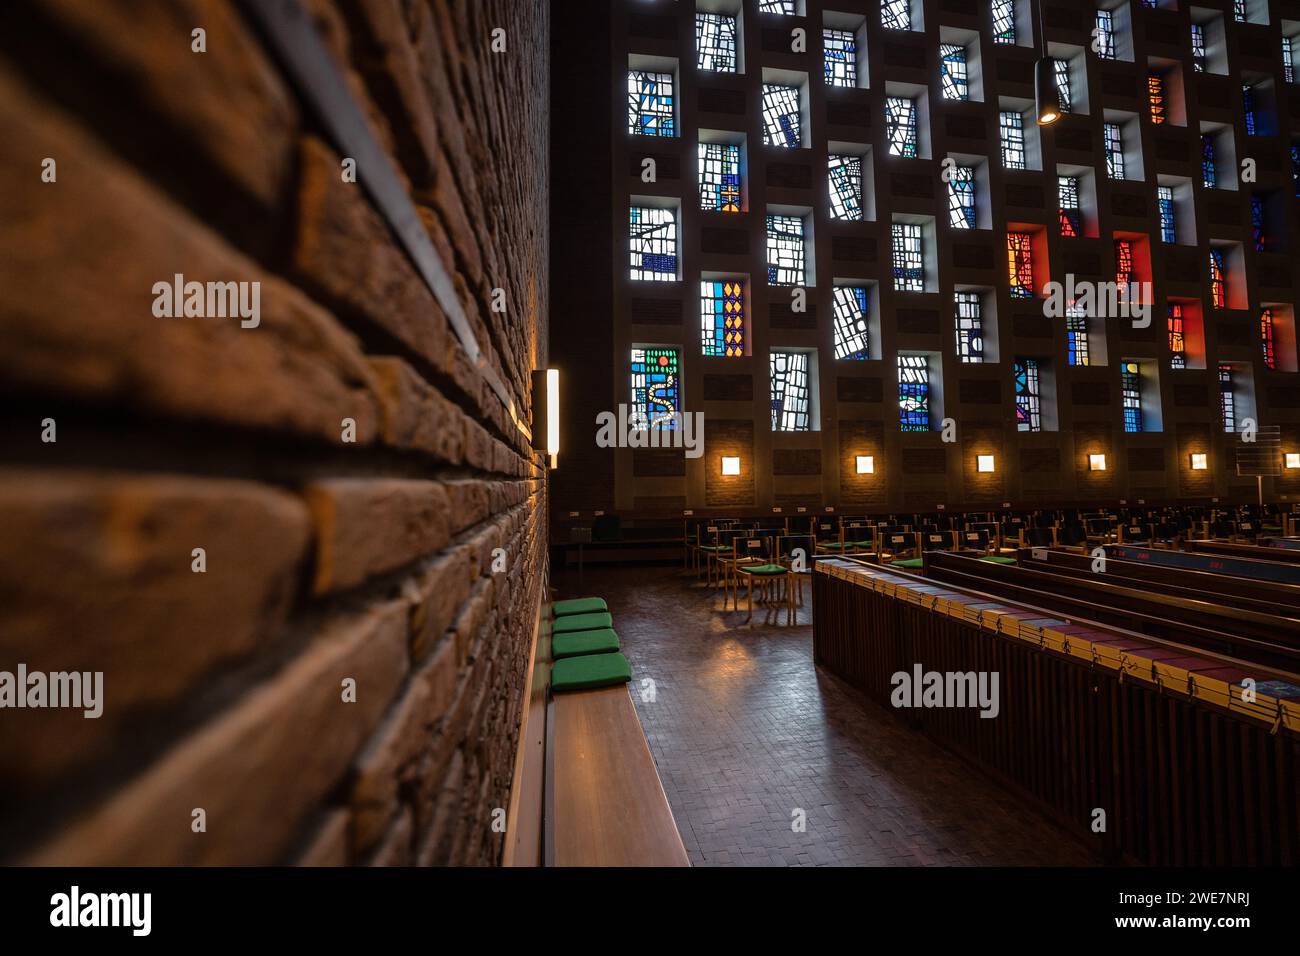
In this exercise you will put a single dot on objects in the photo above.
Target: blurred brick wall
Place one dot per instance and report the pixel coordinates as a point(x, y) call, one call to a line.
point(326, 560)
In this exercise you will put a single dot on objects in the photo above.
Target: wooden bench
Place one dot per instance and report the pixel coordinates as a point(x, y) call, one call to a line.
point(605, 805)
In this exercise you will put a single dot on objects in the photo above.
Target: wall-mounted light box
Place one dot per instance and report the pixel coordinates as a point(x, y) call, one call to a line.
point(984, 463)
point(1293, 459)
point(1096, 462)
point(1200, 461)
point(546, 413)
point(866, 465)
point(730, 465)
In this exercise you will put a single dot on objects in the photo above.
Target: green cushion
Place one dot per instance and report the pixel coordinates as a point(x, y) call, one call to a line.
point(863, 544)
point(998, 559)
point(763, 569)
point(830, 545)
point(581, 622)
point(591, 670)
point(577, 643)
point(715, 547)
point(909, 563)
point(587, 605)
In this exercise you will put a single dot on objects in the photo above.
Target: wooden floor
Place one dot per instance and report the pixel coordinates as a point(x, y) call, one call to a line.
point(746, 733)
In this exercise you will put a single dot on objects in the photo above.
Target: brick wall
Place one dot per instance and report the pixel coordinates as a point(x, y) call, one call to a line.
point(334, 554)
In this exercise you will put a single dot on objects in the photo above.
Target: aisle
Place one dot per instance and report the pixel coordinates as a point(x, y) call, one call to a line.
point(746, 733)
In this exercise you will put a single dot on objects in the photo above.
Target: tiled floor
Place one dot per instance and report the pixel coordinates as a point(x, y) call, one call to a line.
point(746, 733)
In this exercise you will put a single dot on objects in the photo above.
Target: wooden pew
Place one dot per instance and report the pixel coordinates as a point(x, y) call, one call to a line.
point(1091, 715)
point(1268, 639)
point(1264, 596)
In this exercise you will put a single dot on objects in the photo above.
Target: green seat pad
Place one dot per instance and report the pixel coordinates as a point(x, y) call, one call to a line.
point(715, 547)
point(830, 545)
point(863, 544)
point(763, 569)
point(998, 559)
point(587, 605)
point(590, 670)
point(577, 643)
point(1270, 527)
point(581, 622)
point(909, 563)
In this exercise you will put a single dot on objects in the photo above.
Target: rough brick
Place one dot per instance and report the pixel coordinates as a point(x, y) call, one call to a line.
point(229, 102)
point(96, 575)
point(293, 735)
point(368, 526)
point(329, 842)
point(414, 413)
point(78, 262)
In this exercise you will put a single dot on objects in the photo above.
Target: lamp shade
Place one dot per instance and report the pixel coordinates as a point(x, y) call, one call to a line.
point(1047, 98)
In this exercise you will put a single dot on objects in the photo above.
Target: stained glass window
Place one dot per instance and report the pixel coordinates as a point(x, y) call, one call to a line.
point(1156, 97)
point(722, 317)
point(961, 197)
point(650, 103)
point(656, 398)
point(719, 177)
point(1218, 280)
point(1029, 408)
point(1288, 63)
point(1130, 380)
point(1198, 48)
point(653, 243)
point(914, 393)
point(1061, 70)
point(1165, 201)
point(896, 14)
point(841, 57)
point(1266, 337)
point(1257, 231)
point(1020, 265)
point(786, 7)
point(1076, 335)
point(1011, 126)
point(785, 260)
point(790, 392)
point(1208, 173)
point(781, 117)
point(969, 310)
point(1239, 10)
point(1227, 399)
point(909, 263)
point(1177, 336)
point(846, 187)
point(1067, 188)
point(1114, 143)
point(1248, 105)
point(1123, 264)
point(1106, 34)
point(952, 71)
point(715, 42)
point(1004, 21)
point(852, 338)
point(900, 123)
